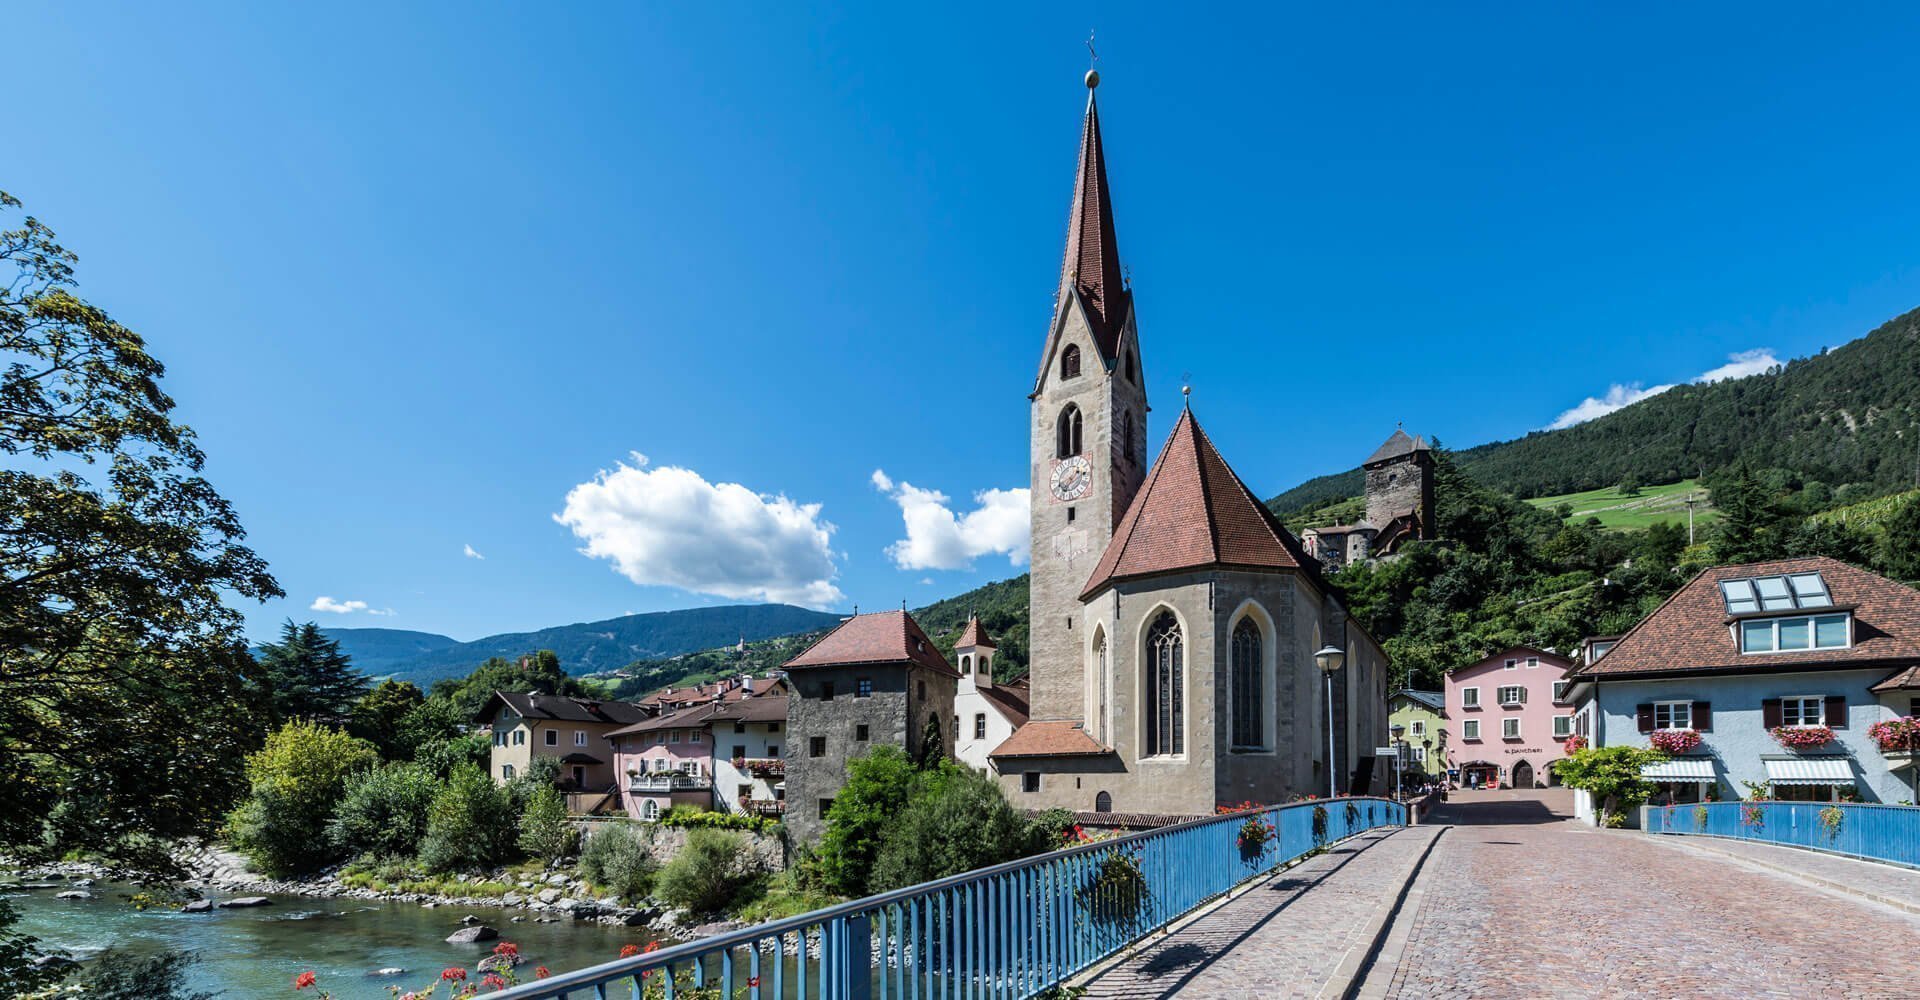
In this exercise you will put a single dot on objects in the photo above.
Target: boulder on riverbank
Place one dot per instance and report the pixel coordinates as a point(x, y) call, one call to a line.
point(75, 894)
point(473, 935)
point(198, 906)
point(499, 963)
point(244, 902)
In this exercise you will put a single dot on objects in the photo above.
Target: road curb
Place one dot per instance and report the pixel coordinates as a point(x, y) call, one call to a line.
point(1705, 844)
point(1378, 938)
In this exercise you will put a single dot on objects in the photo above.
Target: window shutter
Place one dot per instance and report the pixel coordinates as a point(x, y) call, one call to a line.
point(1644, 714)
point(1770, 713)
point(1523, 696)
point(1703, 716)
point(1835, 715)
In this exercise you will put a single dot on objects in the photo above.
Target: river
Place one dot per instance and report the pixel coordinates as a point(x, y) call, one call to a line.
point(256, 952)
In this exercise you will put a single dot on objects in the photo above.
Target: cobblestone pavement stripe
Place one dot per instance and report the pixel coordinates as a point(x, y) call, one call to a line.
point(1880, 883)
point(1519, 902)
point(1285, 937)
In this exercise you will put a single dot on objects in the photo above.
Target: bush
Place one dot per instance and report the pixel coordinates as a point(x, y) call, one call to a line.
point(545, 830)
point(616, 859)
point(958, 820)
point(878, 786)
point(690, 818)
point(295, 781)
point(384, 811)
point(471, 823)
point(709, 872)
point(443, 755)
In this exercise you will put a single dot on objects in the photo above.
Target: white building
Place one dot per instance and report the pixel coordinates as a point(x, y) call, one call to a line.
point(984, 713)
point(749, 773)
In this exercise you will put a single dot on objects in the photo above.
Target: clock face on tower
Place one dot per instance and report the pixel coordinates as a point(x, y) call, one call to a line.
point(1072, 478)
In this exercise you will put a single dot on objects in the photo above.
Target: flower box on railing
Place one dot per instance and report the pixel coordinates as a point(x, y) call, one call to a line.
point(1896, 736)
point(764, 767)
point(1674, 741)
point(1802, 737)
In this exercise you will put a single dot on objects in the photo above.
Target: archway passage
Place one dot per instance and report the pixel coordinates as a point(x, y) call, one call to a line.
point(1523, 775)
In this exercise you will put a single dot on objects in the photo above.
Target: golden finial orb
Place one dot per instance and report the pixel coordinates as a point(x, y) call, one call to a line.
point(1093, 78)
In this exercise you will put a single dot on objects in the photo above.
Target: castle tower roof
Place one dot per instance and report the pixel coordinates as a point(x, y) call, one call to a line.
point(1194, 512)
point(880, 637)
point(1397, 446)
point(975, 634)
point(1090, 268)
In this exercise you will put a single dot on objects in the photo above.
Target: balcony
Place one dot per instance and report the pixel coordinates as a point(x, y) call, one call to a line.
point(762, 767)
point(764, 807)
point(668, 781)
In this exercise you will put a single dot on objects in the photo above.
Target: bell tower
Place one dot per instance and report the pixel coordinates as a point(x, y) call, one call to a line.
point(1087, 429)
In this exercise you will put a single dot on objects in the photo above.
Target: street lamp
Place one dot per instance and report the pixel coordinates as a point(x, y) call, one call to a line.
point(1330, 659)
point(1399, 757)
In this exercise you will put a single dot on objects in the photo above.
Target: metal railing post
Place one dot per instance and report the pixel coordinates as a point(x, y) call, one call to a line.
point(856, 956)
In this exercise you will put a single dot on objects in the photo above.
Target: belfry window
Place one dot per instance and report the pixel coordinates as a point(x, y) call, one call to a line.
point(1249, 717)
point(1070, 362)
point(1126, 435)
point(1069, 433)
point(1166, 729)
point(1132, 375)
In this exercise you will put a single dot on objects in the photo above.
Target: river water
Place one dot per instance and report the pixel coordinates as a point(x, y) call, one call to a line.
point(257, 952)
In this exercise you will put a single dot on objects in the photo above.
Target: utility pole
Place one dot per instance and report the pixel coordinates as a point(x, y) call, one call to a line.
point(1690, 502)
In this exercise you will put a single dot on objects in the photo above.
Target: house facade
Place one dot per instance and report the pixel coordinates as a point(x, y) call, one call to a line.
point(1764, 679)
point(985, 711)
point(1421, 716)
point(1508, 718)
point(666, 761)
point(875, 679)
point(749, 769)
point(574, 730)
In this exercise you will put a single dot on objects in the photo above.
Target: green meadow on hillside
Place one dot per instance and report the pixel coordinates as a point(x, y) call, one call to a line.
point(1651, 505)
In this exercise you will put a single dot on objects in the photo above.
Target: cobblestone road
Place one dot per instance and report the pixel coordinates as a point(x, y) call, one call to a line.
point(1517, 902)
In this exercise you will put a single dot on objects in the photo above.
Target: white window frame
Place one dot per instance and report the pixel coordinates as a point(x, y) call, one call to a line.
point(1798, 701)
point(693, 736)
point(1533, 663)
point(1470, 697)
point(1562, 726)
point(1470, 730)
point(1813, 633)
point(1673, 710)
point(579, 737)
point(1510, 728)
point(1419, 727)
point(673, 736)
point(1420, 755)
point(1560, 689)
point(1519, 694)
point(1512, 664)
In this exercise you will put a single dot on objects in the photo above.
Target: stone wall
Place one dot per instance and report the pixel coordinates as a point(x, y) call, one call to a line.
point(895, 714)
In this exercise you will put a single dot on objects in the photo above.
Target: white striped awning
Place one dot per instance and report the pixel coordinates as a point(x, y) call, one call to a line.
point(1809, 771)
point(1683, 769)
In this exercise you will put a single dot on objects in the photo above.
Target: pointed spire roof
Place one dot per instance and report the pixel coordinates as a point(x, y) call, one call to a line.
point(1396, 446)
point(1194, 512)
point(975, 634)
point(1090, 270)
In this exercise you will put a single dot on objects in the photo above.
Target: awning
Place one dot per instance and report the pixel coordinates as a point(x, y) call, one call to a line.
point(579, 758)
point(1683, 769)
point(1809, 771)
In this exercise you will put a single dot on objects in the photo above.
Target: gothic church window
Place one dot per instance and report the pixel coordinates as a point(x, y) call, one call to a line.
point(1100, 686)
point(1166, 727)
point(1070, 362)
point(1249, 716)
point(1069, 433)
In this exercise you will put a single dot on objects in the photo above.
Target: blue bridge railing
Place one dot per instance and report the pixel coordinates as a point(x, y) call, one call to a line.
point(1010, 931)
point(1861, 830)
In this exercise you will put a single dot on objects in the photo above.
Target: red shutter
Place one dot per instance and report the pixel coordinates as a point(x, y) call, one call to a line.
point(1770, 713)
point(1703, 716)
point(1644, 715)
point(1836, 713)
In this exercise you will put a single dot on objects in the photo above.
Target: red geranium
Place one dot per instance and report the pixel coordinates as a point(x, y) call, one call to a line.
point(303, 980)
point(454, 975)
point(507, 949)
point(493, 981)
point(541, 972)
point(629, 950)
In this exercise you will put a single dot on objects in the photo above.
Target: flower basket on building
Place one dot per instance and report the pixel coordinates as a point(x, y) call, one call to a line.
point(1802, 737)
point(1255, 836)
point(1674, 741)
point(1900, 735)
point(1574, 744)
point(766, 767)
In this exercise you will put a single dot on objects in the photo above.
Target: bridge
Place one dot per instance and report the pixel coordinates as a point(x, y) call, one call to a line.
point(1496, 894)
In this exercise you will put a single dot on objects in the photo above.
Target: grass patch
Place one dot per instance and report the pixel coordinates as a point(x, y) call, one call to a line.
point(384, 878)
point(777, 898)
point(1651, 505)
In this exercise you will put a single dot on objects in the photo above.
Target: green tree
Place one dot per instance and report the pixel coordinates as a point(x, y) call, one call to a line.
point(617, 858)
point(545, 831)
point(713, 869)
point(1612, 776)
point(536, 672)
point(443, 756)
point(1749, 519)
point(958, 820)
point(471, 823)
point(879, 784)
point(117, 562)
point(308, 677)
point(383, 811)
point(379, 714)
point(295, 783)
point(431, 721)
point(1899, 551)
point(1629, 485)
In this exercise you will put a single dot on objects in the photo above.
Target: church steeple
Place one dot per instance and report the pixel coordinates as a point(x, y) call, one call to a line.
point(1091, 266)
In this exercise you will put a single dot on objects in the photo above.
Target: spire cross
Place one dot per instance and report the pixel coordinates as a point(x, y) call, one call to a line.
point(1093, 58)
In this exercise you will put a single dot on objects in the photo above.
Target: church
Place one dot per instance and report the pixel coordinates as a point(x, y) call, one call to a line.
point(1179, 633)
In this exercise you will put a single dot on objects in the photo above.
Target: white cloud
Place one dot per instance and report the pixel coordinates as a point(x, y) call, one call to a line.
point(471, 553)
point(1738, 365)
point(937, 538)
point(332, 606)
point(670, 527)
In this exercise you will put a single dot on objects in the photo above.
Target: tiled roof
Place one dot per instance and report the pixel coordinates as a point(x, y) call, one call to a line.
point(975, 635)
point(1397, 445)
point(1435, 700)
point(1690, 631)
point(763, 709)
point(1090, 269)
point(1013, 700)
point(1194, 512)
point(1049, 739)
point(687, 718)
point(881, 637)
point(563, 709)
point(1904, 679)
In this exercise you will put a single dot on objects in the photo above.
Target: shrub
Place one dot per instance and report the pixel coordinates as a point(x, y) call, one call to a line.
point(956, 821)
point(471, 823)
point(545, 831)
point(441, 756)
point(1612, 776)
point(707, 874)
point(384, 811)
point(879, 783)
point(295, 782)
point(616, 858)
point(690, 818)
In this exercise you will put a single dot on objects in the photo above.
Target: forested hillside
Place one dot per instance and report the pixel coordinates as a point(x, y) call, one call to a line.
point(1846, 418)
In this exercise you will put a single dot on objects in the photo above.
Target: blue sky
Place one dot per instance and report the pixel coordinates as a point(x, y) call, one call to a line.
point(422, 273)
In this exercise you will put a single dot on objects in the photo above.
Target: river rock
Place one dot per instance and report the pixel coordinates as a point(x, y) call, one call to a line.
point(198, 906)
point(390, 970)
point(75, 894)
point(556, 879)
point(244, 902)
point(469, 920)
point(472, 935)
point(549, 895)
point(498, 963)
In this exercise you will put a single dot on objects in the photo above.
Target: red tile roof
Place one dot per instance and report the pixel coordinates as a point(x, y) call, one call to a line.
point(1690, 631)
point(882, 637)
point(1090, 268)
point(1049, 739)
point(1194, 512)
point(1013, 700)
point(974, 635)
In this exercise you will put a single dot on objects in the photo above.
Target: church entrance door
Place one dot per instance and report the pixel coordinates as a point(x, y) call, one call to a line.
point(1523, 775)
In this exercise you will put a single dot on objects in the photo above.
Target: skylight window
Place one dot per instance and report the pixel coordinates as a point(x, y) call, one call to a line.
point(1776, 593)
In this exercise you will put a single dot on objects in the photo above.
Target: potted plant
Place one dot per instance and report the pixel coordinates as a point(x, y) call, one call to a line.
point(1802, 737)
point(1674, 741)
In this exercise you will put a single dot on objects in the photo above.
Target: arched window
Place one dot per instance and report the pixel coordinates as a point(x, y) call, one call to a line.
point(1249, 715)
point(1100, 686)
point(1070, 362)
point(649, 810)
point(1166, 729)
point(1103, 803)
point(1126, 434)
point(966, 666)
point(1132, 375)
point(1069, 432)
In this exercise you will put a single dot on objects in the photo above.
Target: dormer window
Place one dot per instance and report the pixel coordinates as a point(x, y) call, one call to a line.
point(1070, 362)
point(1796, 633)
point(1776, 593)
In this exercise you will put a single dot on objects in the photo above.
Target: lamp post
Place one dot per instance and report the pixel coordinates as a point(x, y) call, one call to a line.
point(1330, 659)
point(1399, 757)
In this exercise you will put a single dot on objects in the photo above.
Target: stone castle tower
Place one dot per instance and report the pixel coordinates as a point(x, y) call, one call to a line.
point(1088, 429)
point(1400, 490)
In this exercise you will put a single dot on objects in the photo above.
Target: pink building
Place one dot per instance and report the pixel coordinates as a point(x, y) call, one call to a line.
point(1506, 722)
point(666, 761)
